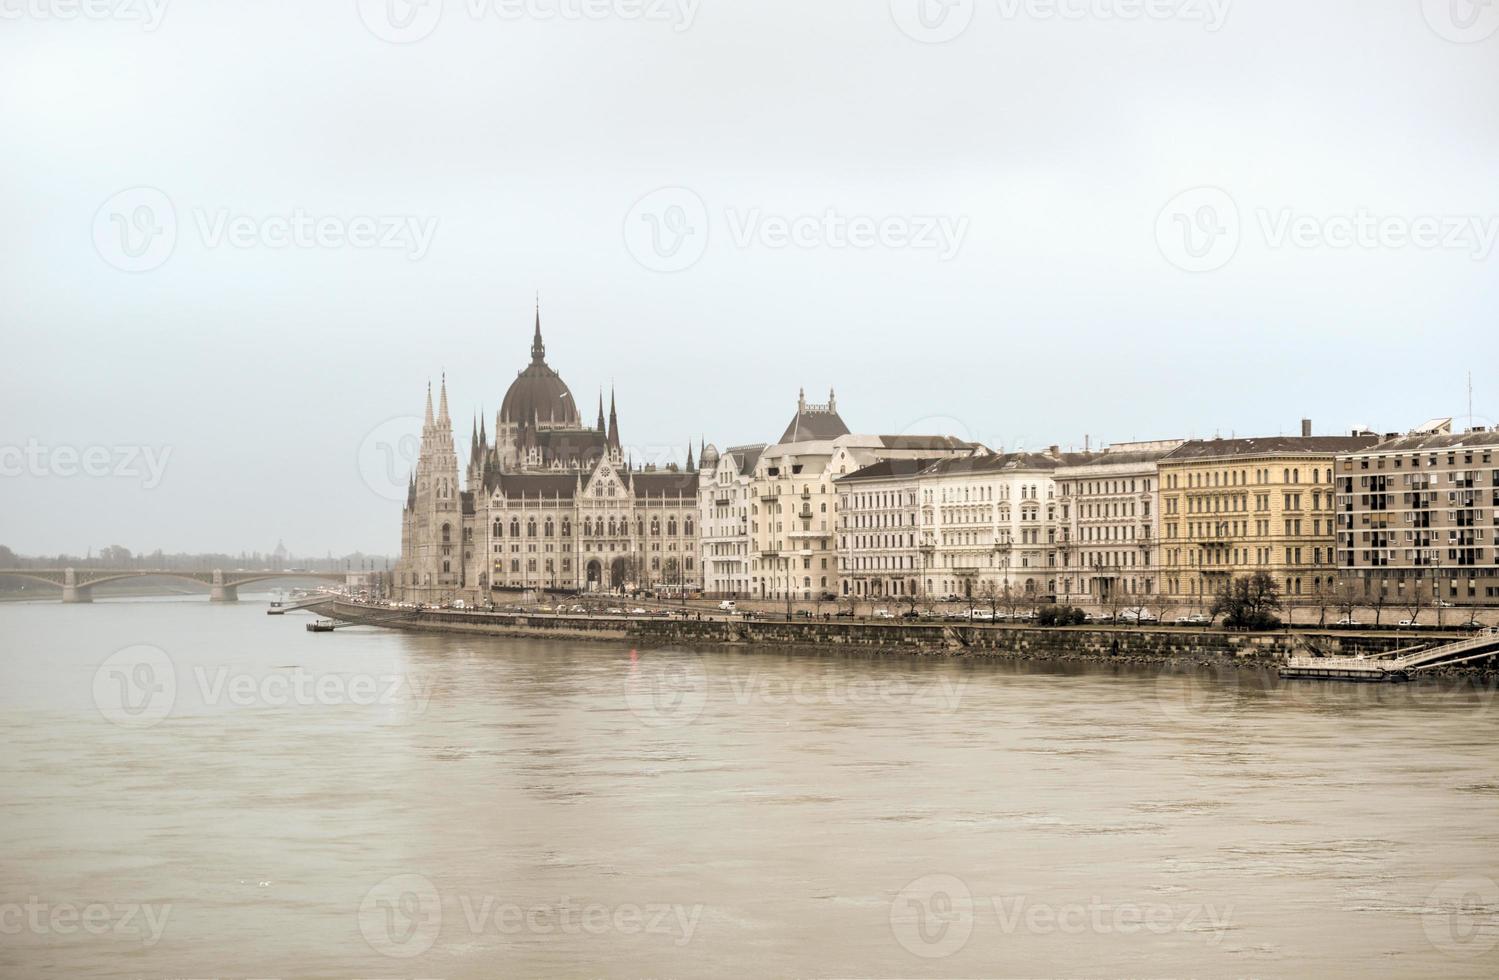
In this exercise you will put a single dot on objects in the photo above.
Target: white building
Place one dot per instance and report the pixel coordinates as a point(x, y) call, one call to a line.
point(723, 524)
point(989, 524)
point(794, 502)
point(879, 530)
point(1110, 525)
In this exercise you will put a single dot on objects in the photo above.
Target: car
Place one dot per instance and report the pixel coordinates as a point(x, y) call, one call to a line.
point(1196, 619)
point(883, 614)
point(1445, 604)
point(983, 615)
point(728, 605)
point(637, 612)
point(615, 611)
point(1348, 621)
point(1407, 622)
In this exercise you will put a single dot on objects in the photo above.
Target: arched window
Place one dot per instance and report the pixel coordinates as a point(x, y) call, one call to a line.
point(655, 527)
point(687, 527)
point(531, 528)
point(499, 528)
point(550, 529)
point(515, 527)
point(567, 527)
point(671, 527)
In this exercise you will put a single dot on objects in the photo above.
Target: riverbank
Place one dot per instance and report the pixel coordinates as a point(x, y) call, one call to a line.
point(1165, 645)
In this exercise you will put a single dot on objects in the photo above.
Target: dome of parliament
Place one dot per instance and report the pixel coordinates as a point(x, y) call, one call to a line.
point(540, 393)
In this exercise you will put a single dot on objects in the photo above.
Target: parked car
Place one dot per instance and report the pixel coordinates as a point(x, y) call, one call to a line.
point(728, 605)
point(1348, 621)
point(983, 615)
point(1195, 619)
point(1407, 622)
point(883, 614)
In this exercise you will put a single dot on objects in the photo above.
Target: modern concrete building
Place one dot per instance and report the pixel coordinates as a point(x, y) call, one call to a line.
point(1418, 517)
point(1236, 506)
point(1109, 524)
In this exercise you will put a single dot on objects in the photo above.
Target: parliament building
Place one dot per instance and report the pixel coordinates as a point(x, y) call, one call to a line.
point(549, 504)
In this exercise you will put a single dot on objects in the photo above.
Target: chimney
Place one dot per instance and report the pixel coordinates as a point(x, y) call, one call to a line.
point(1306, 428)
point(1054, 451)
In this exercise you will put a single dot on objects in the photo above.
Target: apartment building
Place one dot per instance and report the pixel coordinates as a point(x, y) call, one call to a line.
point(1236, 506)
point(879, 530)
point(1418, 517)
point(723, 521)
point(1109, 524)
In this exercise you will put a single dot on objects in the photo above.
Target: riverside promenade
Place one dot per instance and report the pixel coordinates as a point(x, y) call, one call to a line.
point(1143, 643)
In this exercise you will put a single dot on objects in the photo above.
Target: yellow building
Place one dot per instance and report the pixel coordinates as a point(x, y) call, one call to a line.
point(1237, 506)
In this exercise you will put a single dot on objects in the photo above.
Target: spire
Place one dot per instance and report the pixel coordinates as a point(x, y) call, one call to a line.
point(473, 443)
point(442, 412)
point(613, 423)
point(429, 403)
point(601, 409)
point(483, 434)
point(832, 401)
point(538, 349)
point(801, 401)
point(691, 466)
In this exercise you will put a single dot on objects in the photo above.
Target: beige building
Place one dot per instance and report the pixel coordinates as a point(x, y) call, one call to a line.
point(723, 525)
point(1418, 517)
point(1109, 524)
point(794, 501)
point(1237, 506)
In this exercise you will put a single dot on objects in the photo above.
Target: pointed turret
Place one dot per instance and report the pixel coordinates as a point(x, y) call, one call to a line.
point(601, 409)
point(442, 412)
point(538, 349)
point(691, 466)
point(428, 421)
point(613, 424)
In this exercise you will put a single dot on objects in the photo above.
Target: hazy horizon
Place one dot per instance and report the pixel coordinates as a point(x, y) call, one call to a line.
point(1041, 230)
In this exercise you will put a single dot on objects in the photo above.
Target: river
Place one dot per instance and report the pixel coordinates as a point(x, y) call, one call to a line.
point(202, 790)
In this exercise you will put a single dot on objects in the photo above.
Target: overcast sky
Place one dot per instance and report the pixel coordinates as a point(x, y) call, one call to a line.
point(240, 238)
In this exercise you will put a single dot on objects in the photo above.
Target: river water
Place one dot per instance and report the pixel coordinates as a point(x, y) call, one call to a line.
point(202, 790)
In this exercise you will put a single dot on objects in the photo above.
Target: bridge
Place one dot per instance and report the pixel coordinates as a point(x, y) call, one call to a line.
point(78, 586)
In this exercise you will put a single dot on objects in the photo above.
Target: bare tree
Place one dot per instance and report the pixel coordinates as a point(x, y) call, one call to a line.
point(1415, 602)
point(1378, 601)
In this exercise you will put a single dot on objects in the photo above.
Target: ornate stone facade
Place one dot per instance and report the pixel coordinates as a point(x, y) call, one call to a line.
point(551, 505)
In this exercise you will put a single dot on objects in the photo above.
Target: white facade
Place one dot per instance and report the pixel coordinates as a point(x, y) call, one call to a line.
point(1110, 524)
point(989, 525)
point(723, 525)
point(879, 531)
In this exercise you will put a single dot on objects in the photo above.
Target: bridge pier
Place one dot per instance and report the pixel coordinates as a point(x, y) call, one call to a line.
point(223, 593)
point(77, 593)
